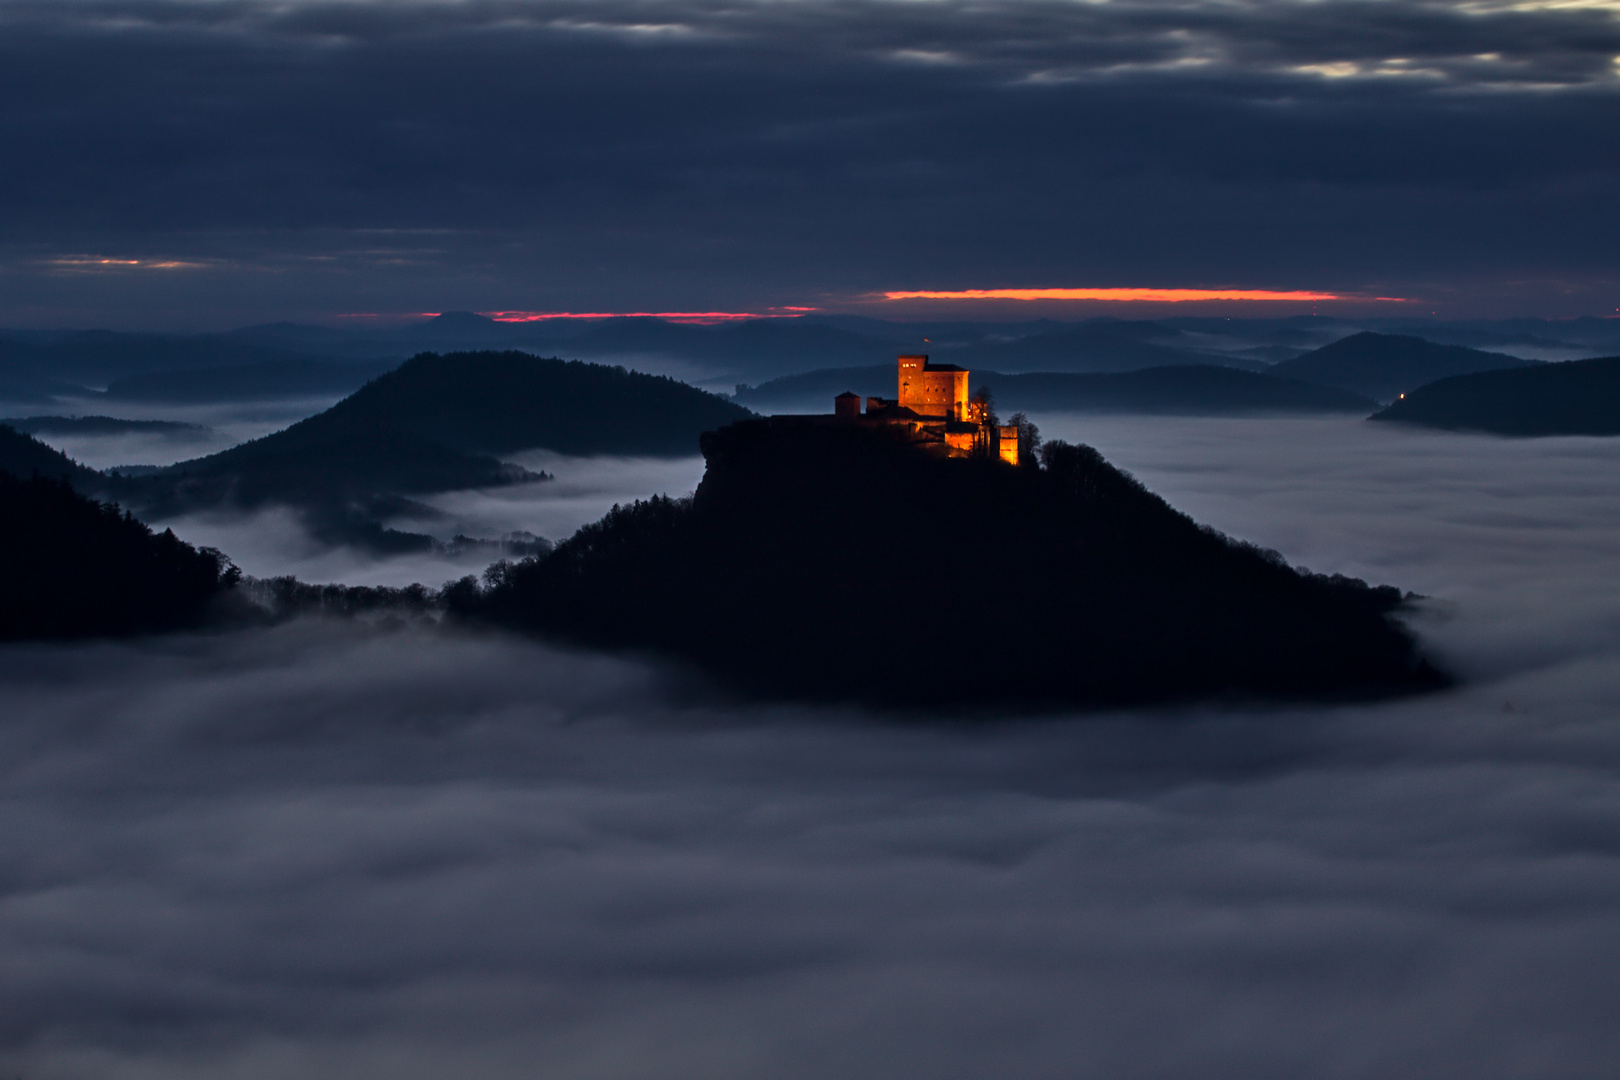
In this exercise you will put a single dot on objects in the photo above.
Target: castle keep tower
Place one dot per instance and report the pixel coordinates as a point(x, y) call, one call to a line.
point(933, 389)
point(933, 404)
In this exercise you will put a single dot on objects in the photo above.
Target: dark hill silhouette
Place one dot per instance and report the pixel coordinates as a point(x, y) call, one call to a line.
point(345, 483)
point(435, 424)
point(1578, 397)
point(311, 465)
point(827, 561)
point(250, 382)
point(1191, 389)
point(1383, 366)
point(23, 455)
point(71, 567)
point(500, 402)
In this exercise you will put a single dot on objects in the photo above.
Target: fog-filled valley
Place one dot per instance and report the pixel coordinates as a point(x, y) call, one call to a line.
point(344, 849)
point(860, 540)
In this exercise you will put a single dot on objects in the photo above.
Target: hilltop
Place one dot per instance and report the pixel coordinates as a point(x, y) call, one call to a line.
point(1383, 366)
point(1577, 397)
point(828, 561)
point(23, 456)
point(436, 423)
point(500, 402)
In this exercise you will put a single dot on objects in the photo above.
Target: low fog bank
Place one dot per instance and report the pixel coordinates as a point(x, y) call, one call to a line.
point(275, 541)
point(581, 491)
point(1514, 540)
point(329, 851)
point(229, 423)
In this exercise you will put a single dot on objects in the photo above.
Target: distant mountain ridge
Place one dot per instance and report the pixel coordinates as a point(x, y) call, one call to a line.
point(37, 365)
point(276, 379)
point(101, 425)
point(1576, 397)
point(1383, 366)
point(1183, 389)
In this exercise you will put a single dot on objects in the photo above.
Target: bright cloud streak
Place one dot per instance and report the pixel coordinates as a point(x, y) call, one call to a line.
point(95, 263)
point(1170, 296)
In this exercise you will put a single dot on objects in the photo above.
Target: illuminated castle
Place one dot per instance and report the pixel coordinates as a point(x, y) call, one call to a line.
point(933, 403)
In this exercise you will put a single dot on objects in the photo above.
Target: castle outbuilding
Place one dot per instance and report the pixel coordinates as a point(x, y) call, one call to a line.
point(932, 401)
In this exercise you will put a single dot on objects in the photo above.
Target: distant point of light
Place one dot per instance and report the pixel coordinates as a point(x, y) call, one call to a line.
point(1161, 296)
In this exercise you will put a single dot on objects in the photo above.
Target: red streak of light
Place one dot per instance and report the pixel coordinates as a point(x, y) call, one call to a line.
point(1171, 296)
point(672, 316)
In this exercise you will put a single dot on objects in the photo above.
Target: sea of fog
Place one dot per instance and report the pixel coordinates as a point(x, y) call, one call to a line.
point(328, 851)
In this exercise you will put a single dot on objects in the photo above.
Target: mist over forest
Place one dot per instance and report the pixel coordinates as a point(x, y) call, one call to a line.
point(392, 688)
point(448, 629)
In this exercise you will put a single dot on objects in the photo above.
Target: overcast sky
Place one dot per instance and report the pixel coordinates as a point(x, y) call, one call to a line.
point(242, 160)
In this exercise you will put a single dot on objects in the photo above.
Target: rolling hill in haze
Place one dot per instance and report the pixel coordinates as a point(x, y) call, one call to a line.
point(96, 357)
point(101, 425)
point(1190, 390)
point(275, 379)
point(436, 423)
point(1383, 366)
point(1576, 397)
point(1100, 346)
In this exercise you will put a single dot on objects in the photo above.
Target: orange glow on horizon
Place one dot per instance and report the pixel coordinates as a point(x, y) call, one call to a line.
point(671, 316)
point(1162, 296)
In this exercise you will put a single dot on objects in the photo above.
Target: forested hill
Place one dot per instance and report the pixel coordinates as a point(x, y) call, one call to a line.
point(1383, 366)
point(838, 562)
point(1579, 397)
point(23, 456)
point(71, 567)
point(500, 402)
point(437, 423)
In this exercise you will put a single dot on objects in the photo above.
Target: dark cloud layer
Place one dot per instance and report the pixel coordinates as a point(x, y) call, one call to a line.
point(326, 852)
point(378, 156)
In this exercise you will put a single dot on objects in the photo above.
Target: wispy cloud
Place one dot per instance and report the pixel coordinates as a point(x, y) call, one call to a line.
point(706, 156)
